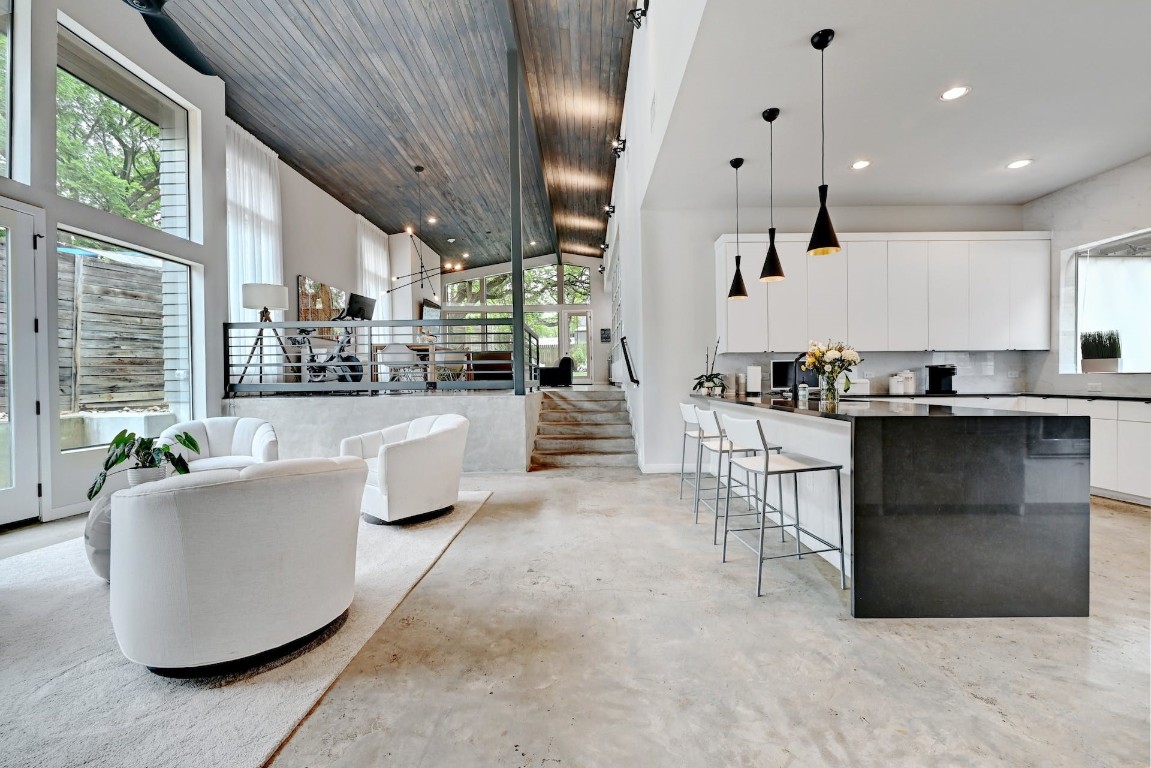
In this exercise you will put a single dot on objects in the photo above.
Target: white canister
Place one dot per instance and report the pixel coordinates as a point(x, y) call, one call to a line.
point(895, 384)
point(908, 383)
point(754, 380)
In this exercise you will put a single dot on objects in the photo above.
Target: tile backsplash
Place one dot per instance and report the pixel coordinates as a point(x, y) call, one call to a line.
point(989, 372)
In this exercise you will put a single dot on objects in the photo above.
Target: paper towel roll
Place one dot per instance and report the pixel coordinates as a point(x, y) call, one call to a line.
point(754, 379)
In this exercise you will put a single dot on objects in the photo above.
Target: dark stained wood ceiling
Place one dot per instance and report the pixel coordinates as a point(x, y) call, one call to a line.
point(353, 94)
point(576, 55)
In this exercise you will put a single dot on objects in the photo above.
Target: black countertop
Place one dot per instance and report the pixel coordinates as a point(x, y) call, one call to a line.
point(987, 395)
point(850, 409)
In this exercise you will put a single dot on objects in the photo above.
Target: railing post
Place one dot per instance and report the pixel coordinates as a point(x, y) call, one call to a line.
point(514, 180)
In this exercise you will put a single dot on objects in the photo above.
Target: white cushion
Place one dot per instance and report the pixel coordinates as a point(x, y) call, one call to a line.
point(221, 462)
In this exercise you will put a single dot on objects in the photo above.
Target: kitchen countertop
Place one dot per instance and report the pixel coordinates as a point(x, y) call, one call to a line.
point(1089, 396)
point(850, 409)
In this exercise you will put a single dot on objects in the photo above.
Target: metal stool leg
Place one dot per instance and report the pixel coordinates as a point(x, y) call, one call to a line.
point(682, 460)
point(842, 557)
point(798, 551)
point(759, 563)
point(718, 476)
point(779, 479)
point(698, 475)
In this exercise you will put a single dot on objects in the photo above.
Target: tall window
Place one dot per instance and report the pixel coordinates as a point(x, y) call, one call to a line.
point(123, 341)
point(5, 84)
point(121, 146)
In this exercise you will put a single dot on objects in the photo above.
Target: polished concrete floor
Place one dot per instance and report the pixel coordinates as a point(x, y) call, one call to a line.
point(582, 620)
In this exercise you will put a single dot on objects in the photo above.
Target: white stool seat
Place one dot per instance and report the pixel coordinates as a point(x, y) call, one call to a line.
point(784, 464)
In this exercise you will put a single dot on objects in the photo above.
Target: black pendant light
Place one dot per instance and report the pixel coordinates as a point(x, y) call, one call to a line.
point(772, 271)
point(738, 289)
point(823, 240)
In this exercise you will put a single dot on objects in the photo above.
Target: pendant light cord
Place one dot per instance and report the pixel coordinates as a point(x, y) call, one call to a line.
point(771, 171)
point(822, 123)
point(737, 217)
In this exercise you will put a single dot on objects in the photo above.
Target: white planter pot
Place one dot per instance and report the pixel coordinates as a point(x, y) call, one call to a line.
point(1101, 365)
point(148, 475)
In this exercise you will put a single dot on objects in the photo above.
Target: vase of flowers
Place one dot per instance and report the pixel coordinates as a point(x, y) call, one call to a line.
point(831, 361)
point(709, 380)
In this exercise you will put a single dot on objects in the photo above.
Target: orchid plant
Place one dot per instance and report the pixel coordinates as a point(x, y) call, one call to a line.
point(709, 378)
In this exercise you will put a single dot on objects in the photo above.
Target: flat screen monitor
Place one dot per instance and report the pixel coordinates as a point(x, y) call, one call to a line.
point(359, 307)
point(783, 372)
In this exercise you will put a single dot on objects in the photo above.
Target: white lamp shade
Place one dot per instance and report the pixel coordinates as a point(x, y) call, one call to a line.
point(260, 295)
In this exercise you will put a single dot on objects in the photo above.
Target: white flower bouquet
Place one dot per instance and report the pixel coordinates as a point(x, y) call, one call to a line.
point(831, 361)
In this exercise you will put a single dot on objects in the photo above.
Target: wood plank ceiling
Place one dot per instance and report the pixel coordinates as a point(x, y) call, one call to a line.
point(353, 95)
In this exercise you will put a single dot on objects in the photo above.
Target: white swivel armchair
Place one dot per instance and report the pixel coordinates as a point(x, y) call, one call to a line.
point(226, 442)
point(222, 567)
point(413, 468)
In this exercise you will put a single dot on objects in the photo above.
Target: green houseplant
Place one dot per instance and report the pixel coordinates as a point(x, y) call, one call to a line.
point(709, 379)
point(146, 455)
point(1101, 351)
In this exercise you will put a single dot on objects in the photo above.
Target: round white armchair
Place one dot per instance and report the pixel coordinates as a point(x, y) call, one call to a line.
point(413, 468)
point(226, 442)
point(228, 566)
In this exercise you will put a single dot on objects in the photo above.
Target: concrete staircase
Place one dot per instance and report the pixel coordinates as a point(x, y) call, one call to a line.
point(583, 428)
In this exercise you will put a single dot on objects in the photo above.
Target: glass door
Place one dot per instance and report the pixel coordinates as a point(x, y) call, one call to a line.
point(577, 325)
point(19, 448)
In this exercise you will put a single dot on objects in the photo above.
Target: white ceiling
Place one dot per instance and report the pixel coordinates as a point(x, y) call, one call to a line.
point(1065, 82)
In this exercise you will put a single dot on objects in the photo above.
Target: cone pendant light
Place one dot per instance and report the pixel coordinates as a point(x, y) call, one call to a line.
point(823, 240)
point(772, 271)
point(738, 288)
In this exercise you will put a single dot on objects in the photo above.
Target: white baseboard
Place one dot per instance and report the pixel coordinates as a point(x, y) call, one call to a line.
point(69, 510)
point(1108, 494)
point(661, 469)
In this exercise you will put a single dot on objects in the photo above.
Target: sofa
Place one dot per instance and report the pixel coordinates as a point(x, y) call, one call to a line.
point(226, 567)
point(226, 442)
point(414, 468)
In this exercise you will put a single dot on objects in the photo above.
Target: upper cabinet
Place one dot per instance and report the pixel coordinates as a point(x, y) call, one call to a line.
point(892, 292)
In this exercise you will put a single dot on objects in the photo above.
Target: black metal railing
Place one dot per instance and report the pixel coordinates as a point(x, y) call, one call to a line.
point(627, 360)
point(374, 356)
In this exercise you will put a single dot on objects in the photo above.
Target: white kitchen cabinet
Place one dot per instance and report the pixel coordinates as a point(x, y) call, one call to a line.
point(948, 295)
point(1096, 409)
point(867, 297)
point(787, 312)
point(907, 295)
point(1133, 460)
point(1029, 268)
point(995, 403)
point(827, 297)
point(1055, 406)
point(741, 324)
point(1129, 410)
point(989, 295)
point(1104, 453)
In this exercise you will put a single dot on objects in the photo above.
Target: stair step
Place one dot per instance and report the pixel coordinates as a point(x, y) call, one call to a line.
point(577, 394)
point(548, 444)
point(583, 406)
point(584, 417)
point(549, 460)
point(549, 429)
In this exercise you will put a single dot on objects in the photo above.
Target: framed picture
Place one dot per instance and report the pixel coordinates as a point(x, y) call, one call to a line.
point(429, 310)
point(605, 335)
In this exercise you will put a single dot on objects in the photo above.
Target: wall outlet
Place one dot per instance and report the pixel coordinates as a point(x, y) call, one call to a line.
point(1094, 387)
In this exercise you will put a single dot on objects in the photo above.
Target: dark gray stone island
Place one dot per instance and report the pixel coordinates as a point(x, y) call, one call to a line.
point(958, 512)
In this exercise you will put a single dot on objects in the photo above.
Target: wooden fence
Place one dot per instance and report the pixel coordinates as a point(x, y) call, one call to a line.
point(110, 335)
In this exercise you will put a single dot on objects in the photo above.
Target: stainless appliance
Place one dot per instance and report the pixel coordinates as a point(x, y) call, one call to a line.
point(939, 379)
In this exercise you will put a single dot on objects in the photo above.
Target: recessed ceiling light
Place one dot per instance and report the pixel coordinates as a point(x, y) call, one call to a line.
point(1018, 164)
point(533, 242)
point(467, 255)
point(408, 230)
point(859, 165)
point(451, 239)
point(432, 219)
point(958, 92)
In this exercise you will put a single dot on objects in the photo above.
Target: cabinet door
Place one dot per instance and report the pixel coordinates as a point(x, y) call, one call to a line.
point(1030, 289)
point(949, 313)
point(827, 297)
point(1134, 458)
point(907, 315)
point(787, 301)
point(1054, 405)
point(867, 285)
point(1104, 453)
point(746, 318)
point(989, 299)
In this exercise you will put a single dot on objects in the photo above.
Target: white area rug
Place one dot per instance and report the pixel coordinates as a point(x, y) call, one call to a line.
point(68, 697)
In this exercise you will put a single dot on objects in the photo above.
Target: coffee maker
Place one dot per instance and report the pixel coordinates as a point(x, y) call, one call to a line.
point(939, 379)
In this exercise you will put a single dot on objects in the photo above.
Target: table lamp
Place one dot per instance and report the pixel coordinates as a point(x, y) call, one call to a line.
point(265, 297)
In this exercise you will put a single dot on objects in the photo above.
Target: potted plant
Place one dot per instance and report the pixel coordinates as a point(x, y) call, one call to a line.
point(831, 361)
point(1101, 351)
point(709, 380)
point(150, 459)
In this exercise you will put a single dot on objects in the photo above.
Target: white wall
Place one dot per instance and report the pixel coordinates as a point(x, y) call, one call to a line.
point(1108, 205)
point(405, 260)
point(319, 235)
point(123, 31)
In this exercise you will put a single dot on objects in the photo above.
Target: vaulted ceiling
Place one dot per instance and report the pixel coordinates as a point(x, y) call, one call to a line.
point(353, 95)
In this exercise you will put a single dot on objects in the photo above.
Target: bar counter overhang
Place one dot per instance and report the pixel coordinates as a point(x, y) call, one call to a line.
point(952, 512)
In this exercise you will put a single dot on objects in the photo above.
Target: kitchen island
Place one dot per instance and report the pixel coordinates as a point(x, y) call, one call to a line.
point(949, 511)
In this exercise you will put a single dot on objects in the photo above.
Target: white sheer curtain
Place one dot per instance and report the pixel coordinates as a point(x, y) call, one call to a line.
point(375, 271)
point(255, 253)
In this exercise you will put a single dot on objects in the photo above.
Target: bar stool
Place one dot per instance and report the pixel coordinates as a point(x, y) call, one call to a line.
point(748, 433)
point(691, 431)
point(714, 441)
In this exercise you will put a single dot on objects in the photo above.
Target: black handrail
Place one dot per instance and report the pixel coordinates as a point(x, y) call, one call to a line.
point(627, 359)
